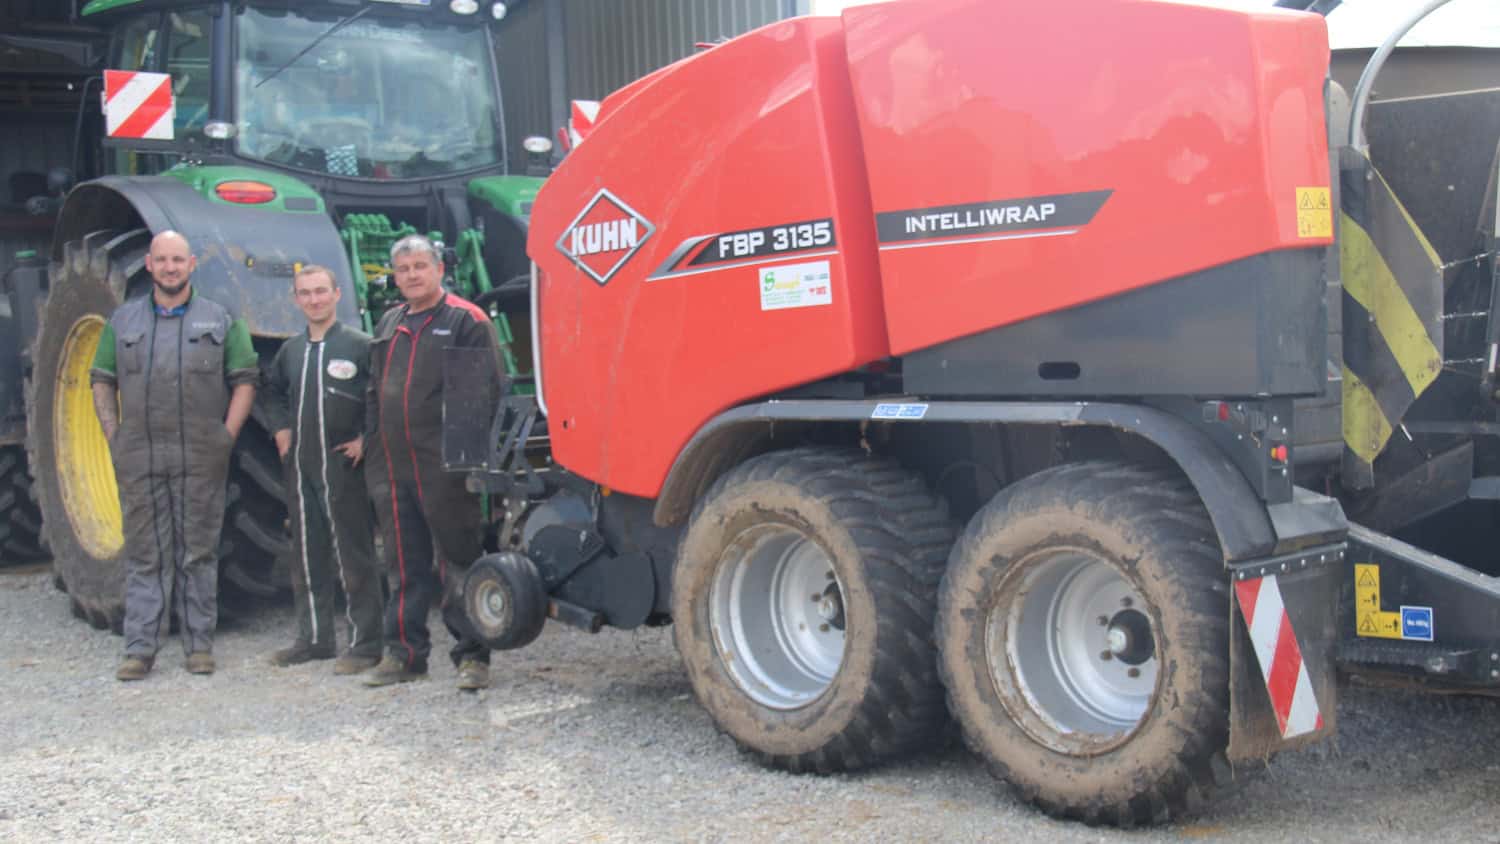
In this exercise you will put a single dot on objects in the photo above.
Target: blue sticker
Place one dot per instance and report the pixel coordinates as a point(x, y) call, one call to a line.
point(899, 411)
point(1416, 623)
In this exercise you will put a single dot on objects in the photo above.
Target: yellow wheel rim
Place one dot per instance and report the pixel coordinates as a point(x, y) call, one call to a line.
point(84, 471)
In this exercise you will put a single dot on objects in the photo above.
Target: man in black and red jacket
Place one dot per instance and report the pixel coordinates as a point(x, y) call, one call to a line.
point(420, 504)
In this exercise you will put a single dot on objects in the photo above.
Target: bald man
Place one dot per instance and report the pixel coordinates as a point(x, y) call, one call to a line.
point(173, 380)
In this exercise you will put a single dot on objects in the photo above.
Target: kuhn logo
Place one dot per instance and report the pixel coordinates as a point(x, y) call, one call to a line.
point(602, 238)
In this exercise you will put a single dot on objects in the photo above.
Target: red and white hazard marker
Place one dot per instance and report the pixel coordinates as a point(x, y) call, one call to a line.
point(1279, 655)
point(581, 119)
point(138, 105)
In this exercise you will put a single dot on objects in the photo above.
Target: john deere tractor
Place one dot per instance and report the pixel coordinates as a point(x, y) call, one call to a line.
point(297, 133)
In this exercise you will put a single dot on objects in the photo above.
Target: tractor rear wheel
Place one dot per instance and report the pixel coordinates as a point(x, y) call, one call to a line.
point(1084, 629)
point(75, 478)
point(20, 520)
point(803, 602)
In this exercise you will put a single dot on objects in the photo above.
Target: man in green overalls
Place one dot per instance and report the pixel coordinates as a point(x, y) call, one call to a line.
point(173, 381)
point(316, 395)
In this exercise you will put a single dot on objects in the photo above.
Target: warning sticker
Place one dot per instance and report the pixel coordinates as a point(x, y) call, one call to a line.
point(1314, 213)
point(794, 286)
point(1416, 623)
point(1369, 620)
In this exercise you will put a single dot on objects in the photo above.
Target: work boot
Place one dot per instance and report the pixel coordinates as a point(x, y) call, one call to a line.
point(299, 653)
point(353, 664)
point(134, 668)
point(391, 671)
point(473, 675)
point(200, 662)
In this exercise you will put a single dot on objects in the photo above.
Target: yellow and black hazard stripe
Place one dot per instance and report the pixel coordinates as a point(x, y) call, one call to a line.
point(1393, 307)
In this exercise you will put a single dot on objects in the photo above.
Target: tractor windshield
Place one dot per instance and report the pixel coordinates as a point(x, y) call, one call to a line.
point(378, 99)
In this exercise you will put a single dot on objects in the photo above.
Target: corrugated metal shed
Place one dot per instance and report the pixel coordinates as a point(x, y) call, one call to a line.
point(610, 44)
point(554, 51)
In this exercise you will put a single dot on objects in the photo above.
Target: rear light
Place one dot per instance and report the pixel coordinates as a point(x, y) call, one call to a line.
point(245, 192)
point(1279, 454)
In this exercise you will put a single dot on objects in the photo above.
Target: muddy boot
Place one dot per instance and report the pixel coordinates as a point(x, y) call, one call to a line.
point(299, 653)
point(134, 668)
point(200, 662)
point(473, 675)
point(391, 671)
point(352, 664)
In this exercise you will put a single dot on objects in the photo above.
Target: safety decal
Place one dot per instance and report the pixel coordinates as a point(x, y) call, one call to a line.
point(1279, 655)
point(899, 411)
point(794, 286)
point(1392, 314)
point(342, 369)
point(604, 235)
point(138, 105)
point(1416, 623)
point(1410, 623)
point(1314, 213)
point(996, 219)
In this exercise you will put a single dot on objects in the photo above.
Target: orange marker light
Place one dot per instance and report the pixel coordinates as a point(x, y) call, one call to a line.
point(245, 192)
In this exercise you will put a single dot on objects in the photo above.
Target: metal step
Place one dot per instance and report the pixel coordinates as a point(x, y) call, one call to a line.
point(1409, 612)
point(1470, 666)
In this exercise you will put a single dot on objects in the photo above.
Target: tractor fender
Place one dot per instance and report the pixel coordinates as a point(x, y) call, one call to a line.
point(1247, 527)
point(246, 254)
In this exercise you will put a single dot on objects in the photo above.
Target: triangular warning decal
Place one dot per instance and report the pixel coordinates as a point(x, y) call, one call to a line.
point(1367, 625)
point(1367, 579)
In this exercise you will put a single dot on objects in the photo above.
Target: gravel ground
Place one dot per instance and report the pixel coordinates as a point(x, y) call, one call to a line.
point(592, 738)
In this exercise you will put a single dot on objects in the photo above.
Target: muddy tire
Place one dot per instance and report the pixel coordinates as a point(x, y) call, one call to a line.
point(75, 481)
point(20, 518)
point(803, 602)
point(1084, 631)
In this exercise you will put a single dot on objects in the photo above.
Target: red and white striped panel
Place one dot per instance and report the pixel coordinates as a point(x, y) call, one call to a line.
point(581, 121)
point(138, 105)
point(1279, 655)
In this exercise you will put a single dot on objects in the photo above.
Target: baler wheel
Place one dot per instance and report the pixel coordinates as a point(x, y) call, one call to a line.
point(1084, 629)
point(803, 601)
point(504, 600)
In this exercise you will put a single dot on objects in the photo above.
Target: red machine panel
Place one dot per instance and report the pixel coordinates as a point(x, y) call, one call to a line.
point(824, 192)
point(710, 241)
point(1027, 157)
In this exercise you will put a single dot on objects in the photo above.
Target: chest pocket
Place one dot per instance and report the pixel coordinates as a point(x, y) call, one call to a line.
point(203, 353)
point(130, 352)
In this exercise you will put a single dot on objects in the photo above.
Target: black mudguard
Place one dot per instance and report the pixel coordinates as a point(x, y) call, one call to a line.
point(246, 255)
point(1248, 528)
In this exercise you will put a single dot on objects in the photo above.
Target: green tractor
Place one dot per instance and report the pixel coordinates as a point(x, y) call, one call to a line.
point(300, 132)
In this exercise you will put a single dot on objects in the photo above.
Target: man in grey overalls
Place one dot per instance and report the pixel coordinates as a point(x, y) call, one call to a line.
point(173, 381)
point(316, 395)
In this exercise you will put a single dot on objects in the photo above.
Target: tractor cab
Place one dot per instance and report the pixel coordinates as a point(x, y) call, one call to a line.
point(383, 114)
point(377, 91)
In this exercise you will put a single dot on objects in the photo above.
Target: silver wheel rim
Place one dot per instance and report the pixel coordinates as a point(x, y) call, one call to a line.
point(491, 607)
point(1072, 651)
point(777, 614)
